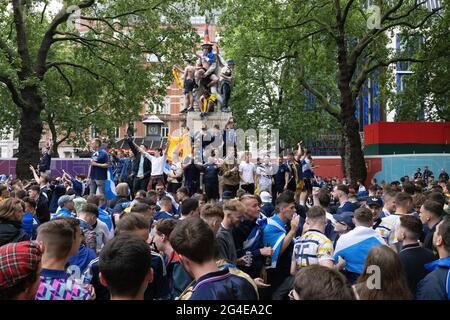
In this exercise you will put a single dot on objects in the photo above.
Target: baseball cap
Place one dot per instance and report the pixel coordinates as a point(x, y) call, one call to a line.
point(345, 217)
point(265, 196)
point(374, 201)
point(17, 261)
point(65, 198)
point(230, 62)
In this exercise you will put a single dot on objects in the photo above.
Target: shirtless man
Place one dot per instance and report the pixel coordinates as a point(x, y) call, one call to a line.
point(188, 76)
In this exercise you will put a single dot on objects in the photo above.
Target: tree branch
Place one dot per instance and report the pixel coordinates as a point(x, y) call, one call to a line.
point(21, 39)
point(287, 56)
point(9, 52)
point(266, 89)
point(66, 63)
point(12, 89)
point(333, 110)
point(370, 37)
point(368, 68)
point(346, 11)
point(43, 12)
point(74, 37)
point(46, 43)
point(66, 79)
point(95, 75)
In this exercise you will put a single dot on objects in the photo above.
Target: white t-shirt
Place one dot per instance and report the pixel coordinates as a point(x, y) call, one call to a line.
point(264, 177)
point(247, 170)
point(157, 164)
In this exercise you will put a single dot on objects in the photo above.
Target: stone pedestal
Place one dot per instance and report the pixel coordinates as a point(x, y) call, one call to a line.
point(194, 122)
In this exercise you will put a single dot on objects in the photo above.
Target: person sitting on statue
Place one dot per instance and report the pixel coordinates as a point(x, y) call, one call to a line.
point(188, 84)
point(206, 67)
point(207, 103)
point(226, 85)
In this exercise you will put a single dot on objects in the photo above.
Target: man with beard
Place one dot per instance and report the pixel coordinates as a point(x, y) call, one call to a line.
point(340, 193)
point(233, 215)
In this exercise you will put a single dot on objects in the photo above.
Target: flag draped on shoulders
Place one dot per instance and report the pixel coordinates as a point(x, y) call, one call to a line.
point(253, 240)
point(274, 234)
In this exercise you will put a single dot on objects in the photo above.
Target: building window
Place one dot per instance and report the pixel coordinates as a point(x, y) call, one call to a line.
point(116, 133)
point(198, 20)
point(154, 107)
point(164, 132)
point(182, 103)
point(166, 109)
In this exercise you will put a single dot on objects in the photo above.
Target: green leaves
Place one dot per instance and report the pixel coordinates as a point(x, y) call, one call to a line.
point(427, 90)
point(97, 74)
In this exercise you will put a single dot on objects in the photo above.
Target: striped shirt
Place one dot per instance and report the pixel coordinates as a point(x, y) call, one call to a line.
point(389, 228)
point(311, 248)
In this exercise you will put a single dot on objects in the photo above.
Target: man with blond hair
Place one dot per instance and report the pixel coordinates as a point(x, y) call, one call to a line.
point(233, 215)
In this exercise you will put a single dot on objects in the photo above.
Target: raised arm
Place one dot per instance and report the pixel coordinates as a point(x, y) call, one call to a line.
point(146, 154)
point(133, 146)
point(290, 235)
point(66, 175)
point(299, 153)
point(35, 175)
point(178, 68)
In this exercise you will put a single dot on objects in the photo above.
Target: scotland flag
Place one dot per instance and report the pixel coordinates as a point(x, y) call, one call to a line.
point(110, 186)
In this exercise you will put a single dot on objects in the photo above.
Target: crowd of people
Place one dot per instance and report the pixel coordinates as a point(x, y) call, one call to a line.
point(224, 229)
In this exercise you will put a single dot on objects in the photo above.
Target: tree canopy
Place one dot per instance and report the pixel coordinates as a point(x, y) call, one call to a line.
point(78, 63)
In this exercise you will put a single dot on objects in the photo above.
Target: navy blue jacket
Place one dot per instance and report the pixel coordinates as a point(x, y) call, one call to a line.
point(178, 278)
point(222, 285)
point(435, 286)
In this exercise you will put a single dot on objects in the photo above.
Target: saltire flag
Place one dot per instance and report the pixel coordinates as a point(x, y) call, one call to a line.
point(274, 234)
point(110, 186)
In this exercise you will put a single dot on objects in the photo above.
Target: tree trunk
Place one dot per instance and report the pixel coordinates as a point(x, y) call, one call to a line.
point(55, 153)
point(56, 143)
point(30, 133)
point(353, 157)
